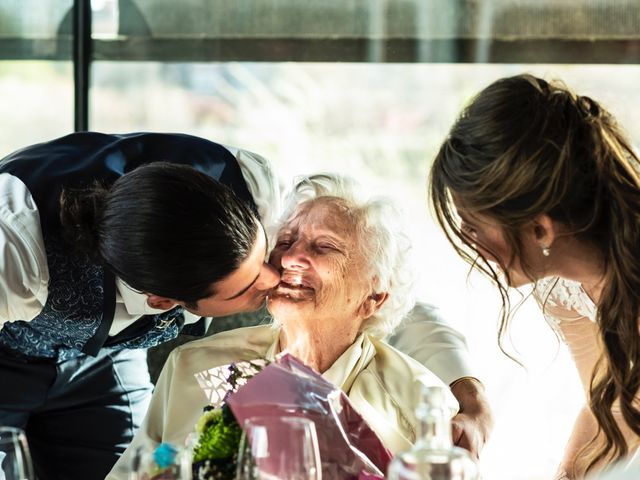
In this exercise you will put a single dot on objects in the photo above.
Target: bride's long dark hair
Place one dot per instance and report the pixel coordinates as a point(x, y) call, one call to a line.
point(525, 147)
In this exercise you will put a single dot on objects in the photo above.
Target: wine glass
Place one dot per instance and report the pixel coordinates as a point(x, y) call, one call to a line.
point(283, 448)
point(164, 461)
point(15, 459)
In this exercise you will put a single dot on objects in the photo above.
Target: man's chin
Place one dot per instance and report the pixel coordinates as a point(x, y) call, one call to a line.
point(258, 304)
point(253, 307)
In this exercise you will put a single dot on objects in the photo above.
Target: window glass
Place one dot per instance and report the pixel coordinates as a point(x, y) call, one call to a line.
point(391, 18)
point(504, 31)
point(36, 102)
point(33, 18)
point(36, 73)
point(383, 123)
point(363, 87)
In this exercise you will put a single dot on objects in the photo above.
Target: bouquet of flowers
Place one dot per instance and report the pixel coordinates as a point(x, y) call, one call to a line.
point(349, 449)
point(218, 432)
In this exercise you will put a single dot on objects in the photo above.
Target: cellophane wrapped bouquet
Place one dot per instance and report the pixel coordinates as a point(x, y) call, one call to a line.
point(349, 449)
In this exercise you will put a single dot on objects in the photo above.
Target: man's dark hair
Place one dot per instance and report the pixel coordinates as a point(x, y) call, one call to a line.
point(164, 229)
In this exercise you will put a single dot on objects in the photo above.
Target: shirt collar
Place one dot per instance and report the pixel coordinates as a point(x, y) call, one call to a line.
point(346, 368)
point(136, 303)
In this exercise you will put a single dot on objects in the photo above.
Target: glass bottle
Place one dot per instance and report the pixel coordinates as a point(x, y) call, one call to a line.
point(433, 457)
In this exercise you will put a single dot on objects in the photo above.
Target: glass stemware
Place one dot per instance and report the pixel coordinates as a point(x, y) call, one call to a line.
point(15, 459)
point(283, 448)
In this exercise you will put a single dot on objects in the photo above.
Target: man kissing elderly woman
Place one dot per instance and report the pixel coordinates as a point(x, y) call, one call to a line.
point(345, 285)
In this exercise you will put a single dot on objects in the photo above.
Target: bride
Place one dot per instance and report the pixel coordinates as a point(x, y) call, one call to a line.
point(542, 184)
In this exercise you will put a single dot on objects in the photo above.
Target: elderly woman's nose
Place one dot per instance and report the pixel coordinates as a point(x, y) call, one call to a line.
point(295, 256)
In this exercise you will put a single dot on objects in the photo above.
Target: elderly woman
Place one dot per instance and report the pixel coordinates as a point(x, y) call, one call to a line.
point(345, 285)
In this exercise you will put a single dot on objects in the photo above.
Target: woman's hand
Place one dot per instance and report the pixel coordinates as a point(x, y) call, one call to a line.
point(472, 426)
point(561, 474)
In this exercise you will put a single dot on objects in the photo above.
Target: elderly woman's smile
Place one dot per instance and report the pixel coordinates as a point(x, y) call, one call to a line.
point(322, 271)
point(325, 290)
point(291, 280)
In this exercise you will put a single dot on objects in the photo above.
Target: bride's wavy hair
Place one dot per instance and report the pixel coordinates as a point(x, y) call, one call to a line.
point(525, 147)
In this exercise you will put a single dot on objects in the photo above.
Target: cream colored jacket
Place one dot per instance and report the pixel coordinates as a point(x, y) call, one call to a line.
point(381, 382)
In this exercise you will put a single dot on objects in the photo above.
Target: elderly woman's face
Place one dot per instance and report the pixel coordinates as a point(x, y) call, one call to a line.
point(323, 272)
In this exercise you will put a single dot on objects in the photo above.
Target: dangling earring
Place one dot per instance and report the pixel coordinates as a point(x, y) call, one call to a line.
point(546, 251)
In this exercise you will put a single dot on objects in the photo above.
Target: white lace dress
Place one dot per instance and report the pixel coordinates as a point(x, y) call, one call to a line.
point(567, 295)
point(572, 314)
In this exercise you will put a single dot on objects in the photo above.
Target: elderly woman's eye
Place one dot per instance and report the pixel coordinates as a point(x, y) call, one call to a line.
point(283, 243)
point(326, 246)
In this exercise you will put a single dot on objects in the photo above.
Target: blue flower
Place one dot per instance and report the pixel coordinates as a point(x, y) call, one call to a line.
point(165, 455)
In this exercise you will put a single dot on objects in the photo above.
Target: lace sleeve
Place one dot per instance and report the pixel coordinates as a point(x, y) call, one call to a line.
point(563, 300)
point(570, 312)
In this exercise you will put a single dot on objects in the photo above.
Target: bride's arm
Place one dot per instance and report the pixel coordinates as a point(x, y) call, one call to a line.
point(581, 337)
point(584, 428)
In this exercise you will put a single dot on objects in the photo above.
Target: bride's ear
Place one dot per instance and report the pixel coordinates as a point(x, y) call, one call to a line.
point(544, 231)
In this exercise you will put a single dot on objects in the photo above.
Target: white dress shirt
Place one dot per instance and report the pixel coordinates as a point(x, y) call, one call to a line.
point(24, 273)
point(426, 336)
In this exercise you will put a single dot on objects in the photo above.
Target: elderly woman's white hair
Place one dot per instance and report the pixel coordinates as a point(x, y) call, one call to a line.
point(381, 237)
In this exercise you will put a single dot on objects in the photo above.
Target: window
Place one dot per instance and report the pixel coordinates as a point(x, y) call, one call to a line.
point(367, 88)
point(36, 72)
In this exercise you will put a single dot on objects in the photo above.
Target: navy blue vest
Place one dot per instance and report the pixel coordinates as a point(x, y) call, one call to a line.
point(80, 305)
